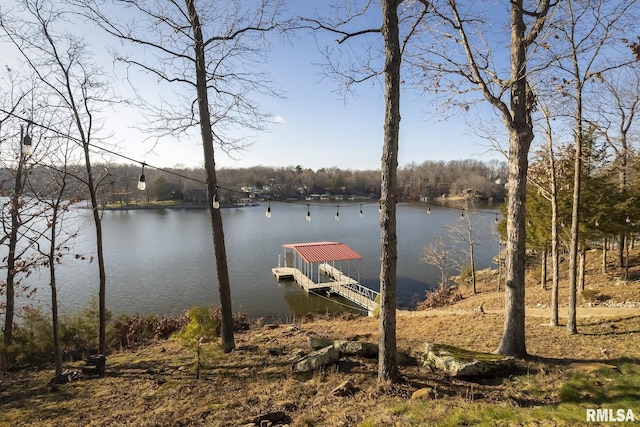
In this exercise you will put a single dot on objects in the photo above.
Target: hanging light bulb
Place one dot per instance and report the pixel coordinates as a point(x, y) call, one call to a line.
point(308, 214)
point(628, 220)
point(380, 206)
point(142, 185)
point(429, 210)
point(337, 213)
point(461, 214)
point(497, 218)
point(268, 213)
point(216, 203)
point(597, 223)
point(361, 213)
point(27, 146)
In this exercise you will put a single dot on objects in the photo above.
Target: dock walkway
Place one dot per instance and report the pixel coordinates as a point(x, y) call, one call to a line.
point(340, 284)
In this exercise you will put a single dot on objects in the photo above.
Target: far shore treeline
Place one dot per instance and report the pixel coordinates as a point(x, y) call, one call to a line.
point(427, 180)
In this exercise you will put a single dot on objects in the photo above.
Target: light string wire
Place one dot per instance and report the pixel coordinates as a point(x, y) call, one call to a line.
point(174, 173)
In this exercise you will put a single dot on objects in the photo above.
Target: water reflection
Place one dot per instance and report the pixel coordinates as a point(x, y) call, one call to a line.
point(161, 261)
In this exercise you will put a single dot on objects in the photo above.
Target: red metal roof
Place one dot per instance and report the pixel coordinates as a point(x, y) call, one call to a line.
point(323, 251)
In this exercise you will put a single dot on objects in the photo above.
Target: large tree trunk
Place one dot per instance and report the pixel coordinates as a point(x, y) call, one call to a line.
point(387, 361)
point(572, 326)
point(224, 288)
point(520, 137)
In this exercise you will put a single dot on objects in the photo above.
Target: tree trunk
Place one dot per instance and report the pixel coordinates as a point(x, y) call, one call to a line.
point(387, 360)
point(555, 264)
point(582, 267)
point(543, 269)
point(520, 137)
point(224, 288)
point(473, 264)
point(572, 327)
point(604, 254)
point(54, 291)
point(102, 306)
point(13, 242)
point(626, 258)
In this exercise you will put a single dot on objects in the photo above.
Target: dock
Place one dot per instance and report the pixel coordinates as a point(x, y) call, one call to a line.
point(302, 260)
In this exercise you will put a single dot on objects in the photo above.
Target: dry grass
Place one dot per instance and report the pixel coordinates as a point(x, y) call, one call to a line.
point(156, 385)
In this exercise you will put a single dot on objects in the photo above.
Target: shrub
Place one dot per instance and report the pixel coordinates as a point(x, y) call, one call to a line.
point(439, 298)
point(32, 341)
point(131, 331)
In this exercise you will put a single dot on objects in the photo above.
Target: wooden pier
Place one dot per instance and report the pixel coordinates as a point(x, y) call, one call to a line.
point(312, 258)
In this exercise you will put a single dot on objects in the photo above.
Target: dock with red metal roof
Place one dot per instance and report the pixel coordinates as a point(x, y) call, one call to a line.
point(304, 261)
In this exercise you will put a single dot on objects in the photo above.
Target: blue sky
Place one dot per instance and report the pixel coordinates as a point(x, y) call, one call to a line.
point(314, 125)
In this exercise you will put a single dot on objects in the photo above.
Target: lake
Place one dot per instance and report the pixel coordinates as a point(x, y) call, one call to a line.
point(161, 260)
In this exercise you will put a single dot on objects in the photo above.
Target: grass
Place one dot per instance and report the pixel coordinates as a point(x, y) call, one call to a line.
point(155, 385)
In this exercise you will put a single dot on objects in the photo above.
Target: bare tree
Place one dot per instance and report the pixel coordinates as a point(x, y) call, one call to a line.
point(436, 253)
point(225, 39)
point(357, 71)
point(464, 232)
point(58, 60)
point(586, 32)
point(55, 239)
point(512, 97)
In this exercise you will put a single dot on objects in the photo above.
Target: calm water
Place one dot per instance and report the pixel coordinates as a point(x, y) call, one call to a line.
point(161, 261)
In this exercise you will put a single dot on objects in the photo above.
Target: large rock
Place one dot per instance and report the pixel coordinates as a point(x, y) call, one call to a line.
point(458, 362)
point(345, 347)
point(317, 360)
point(356, 348)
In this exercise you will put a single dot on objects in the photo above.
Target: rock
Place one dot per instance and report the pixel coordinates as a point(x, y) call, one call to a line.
point(296, 355)
point(317, 360)
point(317, 342)
point(458, 362)
point(356, 348)
point(345, 389)
point(346, 347)
point(423, 394)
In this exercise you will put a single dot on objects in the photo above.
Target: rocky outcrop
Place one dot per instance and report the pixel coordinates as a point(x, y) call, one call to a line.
point(458, 362)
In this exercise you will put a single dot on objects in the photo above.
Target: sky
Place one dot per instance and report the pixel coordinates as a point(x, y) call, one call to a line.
point(313, 125)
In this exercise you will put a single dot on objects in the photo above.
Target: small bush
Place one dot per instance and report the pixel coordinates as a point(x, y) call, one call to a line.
point(32, 340)
point(131, 331)
point(439, 298)
point(593, 296)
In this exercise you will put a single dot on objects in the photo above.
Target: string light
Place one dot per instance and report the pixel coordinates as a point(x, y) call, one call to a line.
point(429, 210)
point(142, 185)
point(380, 206)
point(361, 213)
point(497, 218)
point(268, 213)
point(308, 214)
point(27, 146)
point(215, 204)
point(461, 214)
point(337, 213)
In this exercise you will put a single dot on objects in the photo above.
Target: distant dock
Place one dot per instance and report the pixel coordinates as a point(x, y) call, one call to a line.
point(303, 261)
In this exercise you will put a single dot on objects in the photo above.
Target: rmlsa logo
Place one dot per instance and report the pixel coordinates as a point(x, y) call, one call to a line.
point(603, 415)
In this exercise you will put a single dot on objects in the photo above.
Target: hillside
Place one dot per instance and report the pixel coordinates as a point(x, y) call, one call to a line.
point(564, 377)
